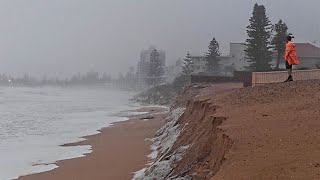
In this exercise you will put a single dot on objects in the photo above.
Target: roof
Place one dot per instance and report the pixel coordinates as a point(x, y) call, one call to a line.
point(307, 50)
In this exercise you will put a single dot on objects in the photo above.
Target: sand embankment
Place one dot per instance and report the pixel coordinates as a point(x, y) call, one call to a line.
point(266, 132)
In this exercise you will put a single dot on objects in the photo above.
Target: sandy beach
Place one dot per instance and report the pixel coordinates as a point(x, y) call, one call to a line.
point(118, 152)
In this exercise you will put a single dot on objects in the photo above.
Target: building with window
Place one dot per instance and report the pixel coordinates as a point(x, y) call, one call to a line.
point(144, 63)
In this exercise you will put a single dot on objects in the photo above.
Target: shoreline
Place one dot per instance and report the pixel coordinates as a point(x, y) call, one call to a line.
point(110, 157)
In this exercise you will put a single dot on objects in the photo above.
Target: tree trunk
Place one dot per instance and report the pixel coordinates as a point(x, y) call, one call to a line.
point(278, 61)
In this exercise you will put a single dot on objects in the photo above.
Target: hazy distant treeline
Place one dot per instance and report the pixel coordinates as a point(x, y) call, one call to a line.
point(86, 79)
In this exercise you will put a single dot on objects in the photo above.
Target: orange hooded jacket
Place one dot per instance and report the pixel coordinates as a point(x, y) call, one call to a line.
point(291, 53)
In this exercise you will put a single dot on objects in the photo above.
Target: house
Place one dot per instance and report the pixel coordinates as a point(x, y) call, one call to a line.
point(199, 63)
point(308, 55)
point(234, 61)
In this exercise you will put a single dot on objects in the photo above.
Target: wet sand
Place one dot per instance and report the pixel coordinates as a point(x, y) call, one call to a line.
point(118, 151)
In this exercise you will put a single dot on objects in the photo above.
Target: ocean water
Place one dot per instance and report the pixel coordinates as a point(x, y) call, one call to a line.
point(35, 122)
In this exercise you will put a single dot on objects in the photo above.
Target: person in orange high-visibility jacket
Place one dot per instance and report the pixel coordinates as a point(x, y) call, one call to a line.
point(291, 56)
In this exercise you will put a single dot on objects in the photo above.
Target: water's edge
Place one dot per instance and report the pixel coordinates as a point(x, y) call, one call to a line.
point(122, 116)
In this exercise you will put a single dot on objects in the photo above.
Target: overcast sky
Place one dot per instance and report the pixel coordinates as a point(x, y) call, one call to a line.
point(63, 37)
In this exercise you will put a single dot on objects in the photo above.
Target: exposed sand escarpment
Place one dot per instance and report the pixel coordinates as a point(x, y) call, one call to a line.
point(266, 132)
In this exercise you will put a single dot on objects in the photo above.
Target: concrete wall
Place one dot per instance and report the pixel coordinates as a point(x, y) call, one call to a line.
point(260, 78)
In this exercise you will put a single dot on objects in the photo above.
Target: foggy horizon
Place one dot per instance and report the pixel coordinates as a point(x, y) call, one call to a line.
point(61, 38)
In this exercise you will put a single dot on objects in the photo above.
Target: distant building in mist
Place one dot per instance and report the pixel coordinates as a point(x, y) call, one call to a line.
point(199, 63)
point(145, 55)
point(144, 63)
point(173, 71)
point(234, 61)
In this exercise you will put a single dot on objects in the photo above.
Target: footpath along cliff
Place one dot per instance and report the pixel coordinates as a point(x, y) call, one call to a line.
point(226, 132)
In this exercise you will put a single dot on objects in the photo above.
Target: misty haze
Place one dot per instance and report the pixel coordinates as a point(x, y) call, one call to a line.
point(162, 89)
point(61, 38)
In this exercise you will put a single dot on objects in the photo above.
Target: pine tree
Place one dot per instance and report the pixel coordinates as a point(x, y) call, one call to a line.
point(188, 67)
point(258, 44)
point(279, 40)
point(213, 66)
point(156, 70)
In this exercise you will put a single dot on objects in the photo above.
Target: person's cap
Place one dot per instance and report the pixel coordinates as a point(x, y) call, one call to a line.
point(290, 35)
